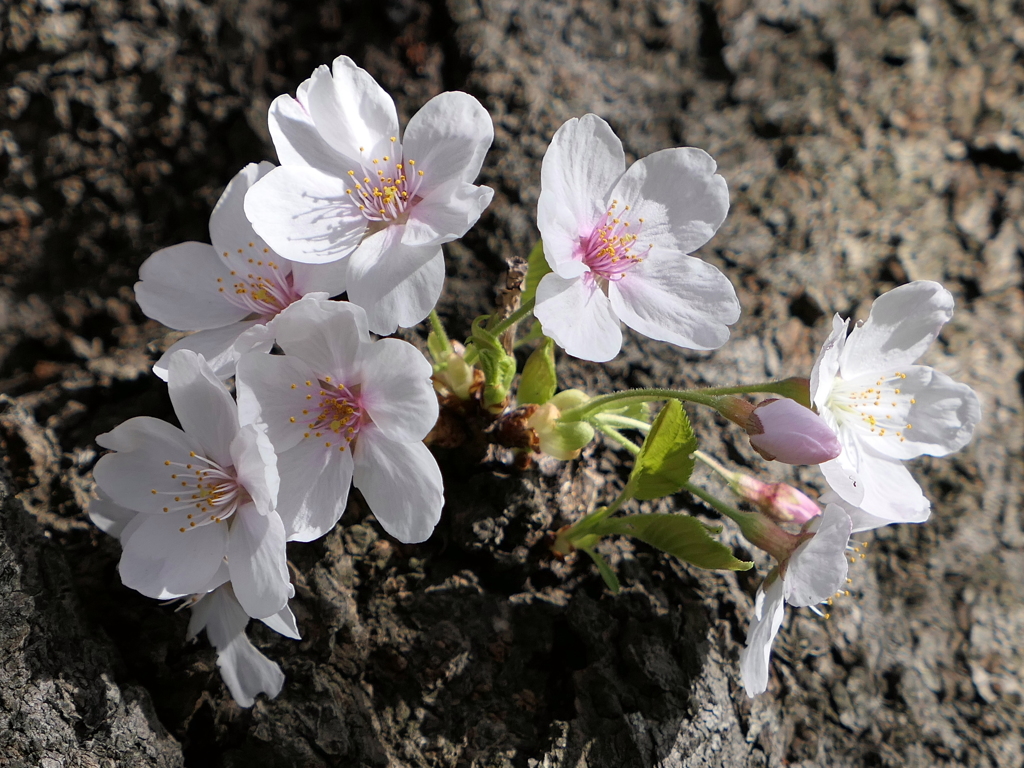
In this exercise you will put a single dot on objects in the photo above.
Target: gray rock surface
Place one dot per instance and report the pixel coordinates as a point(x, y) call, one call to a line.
point(865, 145)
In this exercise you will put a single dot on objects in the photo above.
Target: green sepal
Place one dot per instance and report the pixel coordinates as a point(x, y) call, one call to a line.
point(538, 383)
point(665, 461)
point(439, 348)
point(610, 579)
point(683, 536)
point(498, 366)
point(536, 267)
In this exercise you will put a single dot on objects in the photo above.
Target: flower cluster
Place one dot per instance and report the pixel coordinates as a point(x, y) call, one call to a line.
point(286, 399)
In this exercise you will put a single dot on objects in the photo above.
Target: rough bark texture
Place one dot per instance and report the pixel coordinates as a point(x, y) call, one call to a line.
point(865, 144)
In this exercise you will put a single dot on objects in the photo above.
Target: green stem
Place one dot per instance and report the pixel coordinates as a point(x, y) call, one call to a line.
point(706, 397)
point(718, 505)
point(616, 436)
point(623, 422)
point(504, 325)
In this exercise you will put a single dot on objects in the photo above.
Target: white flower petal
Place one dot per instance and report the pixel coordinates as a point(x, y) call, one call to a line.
point(140, 479)
point(401, 483)
point(179, 288)
point(676, 298)
point(380, 265)
point(108, 516)
point(229, 228)
point(397, 392)
point(219, 614)
point(158, 558)
point(330, 278)
point(266, 395)
point(769, 610)
point(203, 405)
point(221, 347)
point(141, 431)
point(445, 214)
point(353, 114)
point(890, 491)
point(315, 482)
point(255, 464)
point(257, 562)
point(324, 334)
point(902, 324)
point(247, 672)
point(942, 416)
point(677, 194)
point(448, 138)
point(407, 303)
point(283, 622)
point(817, 568)
point(860, 519)
point(579, 317)
point(296, 138)
point(826, 367)
point(581, 165)
point(305, 215)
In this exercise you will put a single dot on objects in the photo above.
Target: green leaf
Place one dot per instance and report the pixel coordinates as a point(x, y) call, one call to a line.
point(498, 366)
point(539, 380)
point(605, 570)
point(537, 266)
point(681, 535)
point(665, 461)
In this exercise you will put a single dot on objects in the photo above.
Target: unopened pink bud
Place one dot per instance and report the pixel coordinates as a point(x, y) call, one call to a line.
point(783, 430)
point(781, 502)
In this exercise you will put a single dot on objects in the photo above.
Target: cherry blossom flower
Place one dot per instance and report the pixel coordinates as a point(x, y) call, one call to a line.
point(230, 290)
point(782, 429)
point(617, 241)
point(349, 188)
point(342, 410)
point(884, 408)
point(812, 574)
point(204, 495)
point(245, 670)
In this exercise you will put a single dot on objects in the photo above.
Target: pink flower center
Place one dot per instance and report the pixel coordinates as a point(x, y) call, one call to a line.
point(387, 187)
point(610, 250)
point(209, 493)
point(265, 289)
point(337, 417)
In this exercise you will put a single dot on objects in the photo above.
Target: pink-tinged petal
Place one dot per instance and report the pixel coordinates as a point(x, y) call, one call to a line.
point(678, 196)
point(230, 230)
point(407, 303)
point(266, 396)
point(445, 214)
point(401, 483)
point(203, 405)
point(324, 334)
point(296, 138)
point(158, 558)
point(283, 622)
point(315, 482)
point(579, 317)
point(890, 491)
point(397, 392)
point(448, 138)
point(817, 569)
point(826, 367)
point(676, 298)
point(143, 431)
point(902, 324)
point(108, 516)
point(942, 415)
point(581, 165)
point(352, 113)
point(257, 561)
point(330, 278)
point(769, 610)
point(305, 215)
point(221, 347)
point(179, 287)
point(786, 431)
point(380, 265)
point(255, 463)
